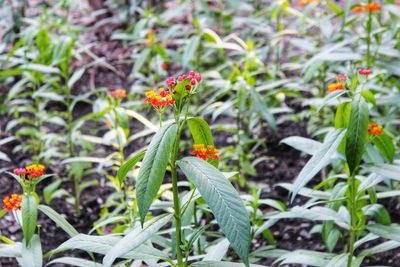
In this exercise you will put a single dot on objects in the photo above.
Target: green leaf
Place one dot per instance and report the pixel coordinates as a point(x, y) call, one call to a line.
point(13, 250)
point(75, 77)
point(391, 232)
point(3, 212)
point(153, 167)
point(357, 133)
point(339, 260)
point(75, 262)
point(342, 117)
point(135, 238)
point(139, 63)
point(29, 217)
point(369, 96)
point(379, 213)
point(201, 134)
point(32, 254)
point(128, 165)
point(335, 8)
point(224, 201)
point(222, 264)
point(390, 171)
point(218, 251)
point(103, 244)
point(306, 257)
point(305, 145)
point(262, 107)
point(59, 220)
point(331, 97)
point(319, 160)
point(190, 50)
point(384, 143)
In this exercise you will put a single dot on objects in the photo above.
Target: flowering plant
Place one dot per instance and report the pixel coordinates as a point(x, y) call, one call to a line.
point(200, 169)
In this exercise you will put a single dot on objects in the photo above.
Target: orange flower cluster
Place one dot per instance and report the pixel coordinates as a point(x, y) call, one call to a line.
point(374, 128)
point(117, 93)
point(304, 3)
point(151, 37)
point(203, 152)
point(33, 170)
point(335, 87)
point(161, 99)
point(13, 202)
point(370, 7)
point(107, 123)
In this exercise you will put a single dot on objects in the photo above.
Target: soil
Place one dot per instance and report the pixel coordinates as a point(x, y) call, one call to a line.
point(282, 165)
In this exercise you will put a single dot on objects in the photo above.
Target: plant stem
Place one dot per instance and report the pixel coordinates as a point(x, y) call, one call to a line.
point(352, 207)
point(175, 191)
point(369, 28)
point(70, 143)
point(178, 221)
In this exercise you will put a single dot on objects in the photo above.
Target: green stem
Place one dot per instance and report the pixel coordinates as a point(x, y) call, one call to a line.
point(352, 207)
point(120, 153)
point(70, 143)
point(178, 221)
point(369, 29)
point(175, 191)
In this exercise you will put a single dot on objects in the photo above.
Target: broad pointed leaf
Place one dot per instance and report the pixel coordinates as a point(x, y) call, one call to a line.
point(153, 167)
point(128, 165)
point(29, 217)
point(135, 238)
point(319, 160)
point(224, 201)
point(357, 133)
point(59, 220)
point(384, 143)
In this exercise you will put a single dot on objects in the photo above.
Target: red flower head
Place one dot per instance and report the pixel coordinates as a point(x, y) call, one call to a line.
point(35, 170)
point(365, 72)
point(192, 77)
point(335, 87)
point(160, 100)
point(13, 202)
point(203, 152)
point(164, 66)
point(375, 129)
point(171, 83)
point(19, 171)
point(117, 93)
point(372, 7)
point(341, 77)
point(358, 9)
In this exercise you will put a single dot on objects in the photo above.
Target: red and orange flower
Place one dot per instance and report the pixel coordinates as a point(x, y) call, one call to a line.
point(151, 37)
point(12, 202)
point(304, 3)
point(117, 93)
point(160, 100)
point(375, 129)
point(33, 170)
point(205, 153)
point(370, 7)
point(335, 87)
